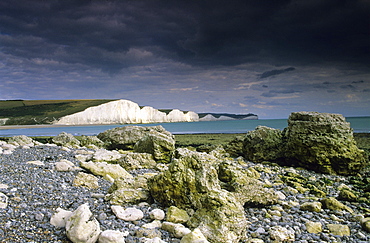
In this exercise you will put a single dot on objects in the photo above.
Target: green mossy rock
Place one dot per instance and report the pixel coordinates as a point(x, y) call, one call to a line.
point(66, 140)
point(160, 145)
point(263, 143)
point(322, 142)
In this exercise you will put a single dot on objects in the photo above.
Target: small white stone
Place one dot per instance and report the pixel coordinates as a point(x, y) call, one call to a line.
point(152, 225)
point(60, 218)
point(112, 236)
point(64, 165)
point(35, 162)
point(157, 213)
point(129, 214)
point(196, 236)
point(3, 200)
point(4, 186)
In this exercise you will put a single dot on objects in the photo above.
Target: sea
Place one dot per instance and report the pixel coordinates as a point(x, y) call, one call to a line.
point(358, 124)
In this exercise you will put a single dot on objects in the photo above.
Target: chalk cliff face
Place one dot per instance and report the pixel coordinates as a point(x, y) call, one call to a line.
point(125, 112)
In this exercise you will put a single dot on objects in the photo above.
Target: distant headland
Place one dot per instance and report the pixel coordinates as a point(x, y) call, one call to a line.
point(98, 112)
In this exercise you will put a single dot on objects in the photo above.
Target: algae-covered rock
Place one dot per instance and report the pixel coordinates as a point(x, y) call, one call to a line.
point(263, 143)
point(134, 161)
point(86, 180)
point(21, 140)
point(220, 218)
point(126, 137)
point(160, 145)
point(191, 182)
point(322, 142)
point(177, 215)
point(339, 229)
point(365, 223)
point(91, 141)
point(110, 172)
point(129, 190)
point(188, 177)
point(311, 206)
point(313, 227)
point(244, 184)
point(333, 204)
point(347, 195)
point(66, 139)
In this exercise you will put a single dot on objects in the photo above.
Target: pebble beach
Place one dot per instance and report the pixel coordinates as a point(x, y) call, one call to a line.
point(35, 190)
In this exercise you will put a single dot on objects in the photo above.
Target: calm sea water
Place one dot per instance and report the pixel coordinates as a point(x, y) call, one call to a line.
point(359, 124)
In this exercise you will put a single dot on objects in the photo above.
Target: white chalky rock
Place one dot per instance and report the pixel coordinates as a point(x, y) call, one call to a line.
point(112, 236)
point(128, 214)
point(81, 228)
point(154, 240)
point(281, 234)
point(35, 162)
point(178, 230)
point(3, 200)
point(106, 155)
point(196, 236)
point(64, 165)
point(155, 224)
point(59, 219)
point(157, 214)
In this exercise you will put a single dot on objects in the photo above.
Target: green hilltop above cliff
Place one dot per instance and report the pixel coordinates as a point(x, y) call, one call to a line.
point(30, 112)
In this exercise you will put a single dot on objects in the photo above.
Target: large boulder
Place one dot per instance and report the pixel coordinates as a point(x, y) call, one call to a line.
point(126, 137)
point(22, 140)
point(322, 142)
point(160, 145)
point(192, 183)
point(263, 144)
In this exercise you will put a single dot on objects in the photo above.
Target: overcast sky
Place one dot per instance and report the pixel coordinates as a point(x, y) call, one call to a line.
point(268, 57)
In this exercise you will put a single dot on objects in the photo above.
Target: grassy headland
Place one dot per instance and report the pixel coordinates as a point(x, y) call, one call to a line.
point(32, 112)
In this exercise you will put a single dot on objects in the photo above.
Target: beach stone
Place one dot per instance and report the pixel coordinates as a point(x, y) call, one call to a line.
point(86, 180)
point(157, 214)
point(3, 200)
point(109, 172)
point(347, 195)
point(35, 162)
point(281, 234)
point(313, 227)
point(311, 206)
point(21, 140)
point(154, 240)
point(106, 155)
point(365, 223)
point(339, 229)
point(263, 144)
point(59, 219)
point(126, 137)
point(81, 226)
point(66, 140)
point(323, 142)
point(91, 142)
point(177, 215)
point(152, 225)
point(128, 214)
point(129, 190)
point(65, 165)
point(112, 236)
point(255, 240)
point(134, 161)
point(148, 233)
point(195, 236)
point(333, 204)
point(178, 230)
point(159, 144)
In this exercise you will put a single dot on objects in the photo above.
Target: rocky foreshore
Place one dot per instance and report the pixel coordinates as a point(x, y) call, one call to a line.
point(133, 184)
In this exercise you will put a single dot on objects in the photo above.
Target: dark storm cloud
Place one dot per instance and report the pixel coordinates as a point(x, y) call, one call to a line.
point(274, 93)
point(276, 72)
point(106, 34)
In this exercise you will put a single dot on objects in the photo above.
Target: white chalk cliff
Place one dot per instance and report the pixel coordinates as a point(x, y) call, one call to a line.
point(125, 112)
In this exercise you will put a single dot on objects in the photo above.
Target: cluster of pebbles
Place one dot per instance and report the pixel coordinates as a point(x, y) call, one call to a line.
point(34, 191)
